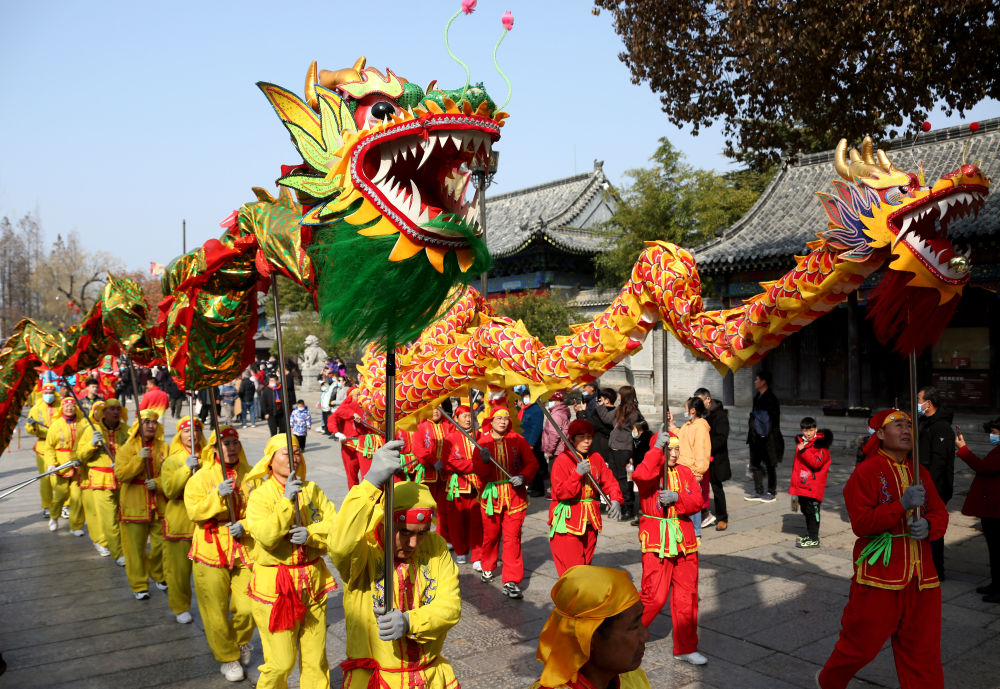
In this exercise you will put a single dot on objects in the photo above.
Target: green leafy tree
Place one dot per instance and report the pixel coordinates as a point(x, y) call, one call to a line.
point(672, 202)
point(544, 315)
point(785, 77)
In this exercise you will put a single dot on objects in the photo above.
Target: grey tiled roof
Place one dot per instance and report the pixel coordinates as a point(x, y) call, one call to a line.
point(563, 212)
point(788, 214)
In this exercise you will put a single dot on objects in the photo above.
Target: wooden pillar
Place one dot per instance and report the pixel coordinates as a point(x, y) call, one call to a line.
point(853, 352)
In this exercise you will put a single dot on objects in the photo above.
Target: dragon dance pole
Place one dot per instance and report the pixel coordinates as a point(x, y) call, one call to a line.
point(472, 440)
point(569, 446)
point(135, 393)
point(222, 457)
point(913, 421)
point(390, 433)
point(93, 429)
point(24, 484)
point(285, 405)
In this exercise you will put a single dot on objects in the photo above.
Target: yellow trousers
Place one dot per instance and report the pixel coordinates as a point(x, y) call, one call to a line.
point(281, 648)
point(177, 569)
point(140, 566)
point(101, 509)
point(222, 592)
point(63, 490)
point(44, 485)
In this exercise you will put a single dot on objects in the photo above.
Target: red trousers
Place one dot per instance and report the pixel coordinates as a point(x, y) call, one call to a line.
point(352, 465)
point(569, 549)
point(659, 576)
point(910, 617)
point(465, 526)
point(510, 525)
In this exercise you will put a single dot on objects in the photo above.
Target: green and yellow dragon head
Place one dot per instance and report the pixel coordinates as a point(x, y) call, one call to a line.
point(385, 170)
point(880, 212)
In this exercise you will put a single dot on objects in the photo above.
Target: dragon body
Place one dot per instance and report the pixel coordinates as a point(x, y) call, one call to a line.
point(375, 224)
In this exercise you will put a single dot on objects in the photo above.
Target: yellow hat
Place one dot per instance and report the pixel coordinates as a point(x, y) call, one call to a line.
point(262, 469)
point(584, 597)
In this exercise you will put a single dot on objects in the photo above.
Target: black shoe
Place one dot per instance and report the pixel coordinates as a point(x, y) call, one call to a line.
point(991, 598)
point(512, 590)
point(635, 522)
point(486, 576)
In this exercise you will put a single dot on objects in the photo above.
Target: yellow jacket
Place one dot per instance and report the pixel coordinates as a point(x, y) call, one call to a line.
point(135, 503)
point(269, 516)
point(175, 475)
point(100, 467)
point(211, 544)
point(430, 595)
point(61, 444)
point(45, 413)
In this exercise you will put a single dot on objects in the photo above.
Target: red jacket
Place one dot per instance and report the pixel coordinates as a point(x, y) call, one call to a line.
point(418, 460)
point(872, 499)
point(811, 465)
point(984, 493)
point(342, 421)
point(459, 465)
point(514, 454)
point(576, 492)
point(655, 519)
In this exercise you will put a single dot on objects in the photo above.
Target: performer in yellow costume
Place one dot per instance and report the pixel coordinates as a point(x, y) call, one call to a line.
point(595, 637)
point(221, 552)
point(100, 496)
point(40, 418)
point(141, 502)
point(182, 461)
point(402, 648)
point(61, 446)
point(290, 580)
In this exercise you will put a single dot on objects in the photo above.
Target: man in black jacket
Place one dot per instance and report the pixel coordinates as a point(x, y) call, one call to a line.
point(271, 402)
point(764, 438)
point(937, 453)
point(719, 470)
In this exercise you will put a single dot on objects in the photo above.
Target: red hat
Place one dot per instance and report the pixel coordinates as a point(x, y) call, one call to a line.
point(462, 409)
point(579, 427)
point(557, 396)
point(497, 408)
point(881, 420)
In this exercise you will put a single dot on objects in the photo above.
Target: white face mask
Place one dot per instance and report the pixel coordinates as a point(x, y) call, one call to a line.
point(994, 439)
point(550, 404)
point(635, 435)
point(871, 431)
point(49, 398)
point(526, 399)
point(687, 415)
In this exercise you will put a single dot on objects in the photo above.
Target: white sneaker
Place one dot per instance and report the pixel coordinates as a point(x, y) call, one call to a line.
point(120, 561)
point(461, 559)
point(708, 521)
point(232, 671)
point(101, 550)
point(76, 532)
point(141, 595)
point(246, 652)
point(162, 585)
point(184, 618)
point(65, 512)
point(693, 658)
point(478, 566)
point(53, 524)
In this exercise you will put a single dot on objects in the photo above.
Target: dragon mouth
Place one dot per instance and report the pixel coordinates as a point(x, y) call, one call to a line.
point(923, 228)
point(418, 170)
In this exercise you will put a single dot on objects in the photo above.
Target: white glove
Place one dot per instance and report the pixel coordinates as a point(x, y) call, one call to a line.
point(150, 484)
point(913, 497)
point(229, 485)
point(192, 462)
point(615, 510)
point(298, 535)
point(517, 480)
point(393, 625)
point(583, 467)
point(236, 530)
point(668, 497)
point(339, 436)
point(919, 529)
point(145, 453)
point(385, 462)
point(662, 438)
point(98, 439)
point(292, 487)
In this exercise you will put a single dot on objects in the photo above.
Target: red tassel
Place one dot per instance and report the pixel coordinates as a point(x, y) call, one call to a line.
point(908, 319)
point(287, 610)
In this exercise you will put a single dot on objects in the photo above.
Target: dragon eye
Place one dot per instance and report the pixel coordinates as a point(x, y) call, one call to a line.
point(383, 110)
point(904, 189)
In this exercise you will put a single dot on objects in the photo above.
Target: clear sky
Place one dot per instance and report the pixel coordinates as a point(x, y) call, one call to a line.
point(121, 119)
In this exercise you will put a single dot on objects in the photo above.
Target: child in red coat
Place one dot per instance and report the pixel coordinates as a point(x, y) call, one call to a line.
point(812, 462)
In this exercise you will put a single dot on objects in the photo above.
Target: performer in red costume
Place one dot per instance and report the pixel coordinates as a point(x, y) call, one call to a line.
point(461, 493)
point(895, 592)
point(575, 512)
point(504, 501)
point(357, 444)
point(669, 547)
point(431, 449)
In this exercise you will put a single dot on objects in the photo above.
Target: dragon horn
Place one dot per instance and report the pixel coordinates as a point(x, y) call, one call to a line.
point(311, 87)
point(329, 79)
point(884, 162)
point(840, 160)
point(867, 149)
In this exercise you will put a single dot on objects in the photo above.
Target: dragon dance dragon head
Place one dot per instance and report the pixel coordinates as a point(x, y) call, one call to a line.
point(385, 170)
point(881, 213)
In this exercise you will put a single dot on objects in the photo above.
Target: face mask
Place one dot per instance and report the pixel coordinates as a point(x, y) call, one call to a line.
point(272, 385)
point(635, 436)
point(687, 415)
point(871, 431)
point(994, 439)
point(49, 398)
point(526, 399)
point(920, 410)
point(550, 404)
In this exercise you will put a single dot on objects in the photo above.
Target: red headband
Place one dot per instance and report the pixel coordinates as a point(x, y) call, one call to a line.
point(462, 409)
point(414, 516)
point(186, 423)
point(229, 432)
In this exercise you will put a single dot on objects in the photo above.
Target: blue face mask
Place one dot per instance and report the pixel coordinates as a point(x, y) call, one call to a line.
point(687, 415)
point(920, 410)
point(49, 398)
point(994, 438)
point(871, 431)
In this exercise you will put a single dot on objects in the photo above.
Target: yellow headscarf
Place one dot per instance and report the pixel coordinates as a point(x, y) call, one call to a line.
point(262, 469)
point(147, 414)
point(208, 454)
point(97, 411)
point(584, 597)
point(177, 445)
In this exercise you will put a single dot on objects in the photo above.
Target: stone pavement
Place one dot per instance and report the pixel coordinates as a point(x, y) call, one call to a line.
point(769, 613)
